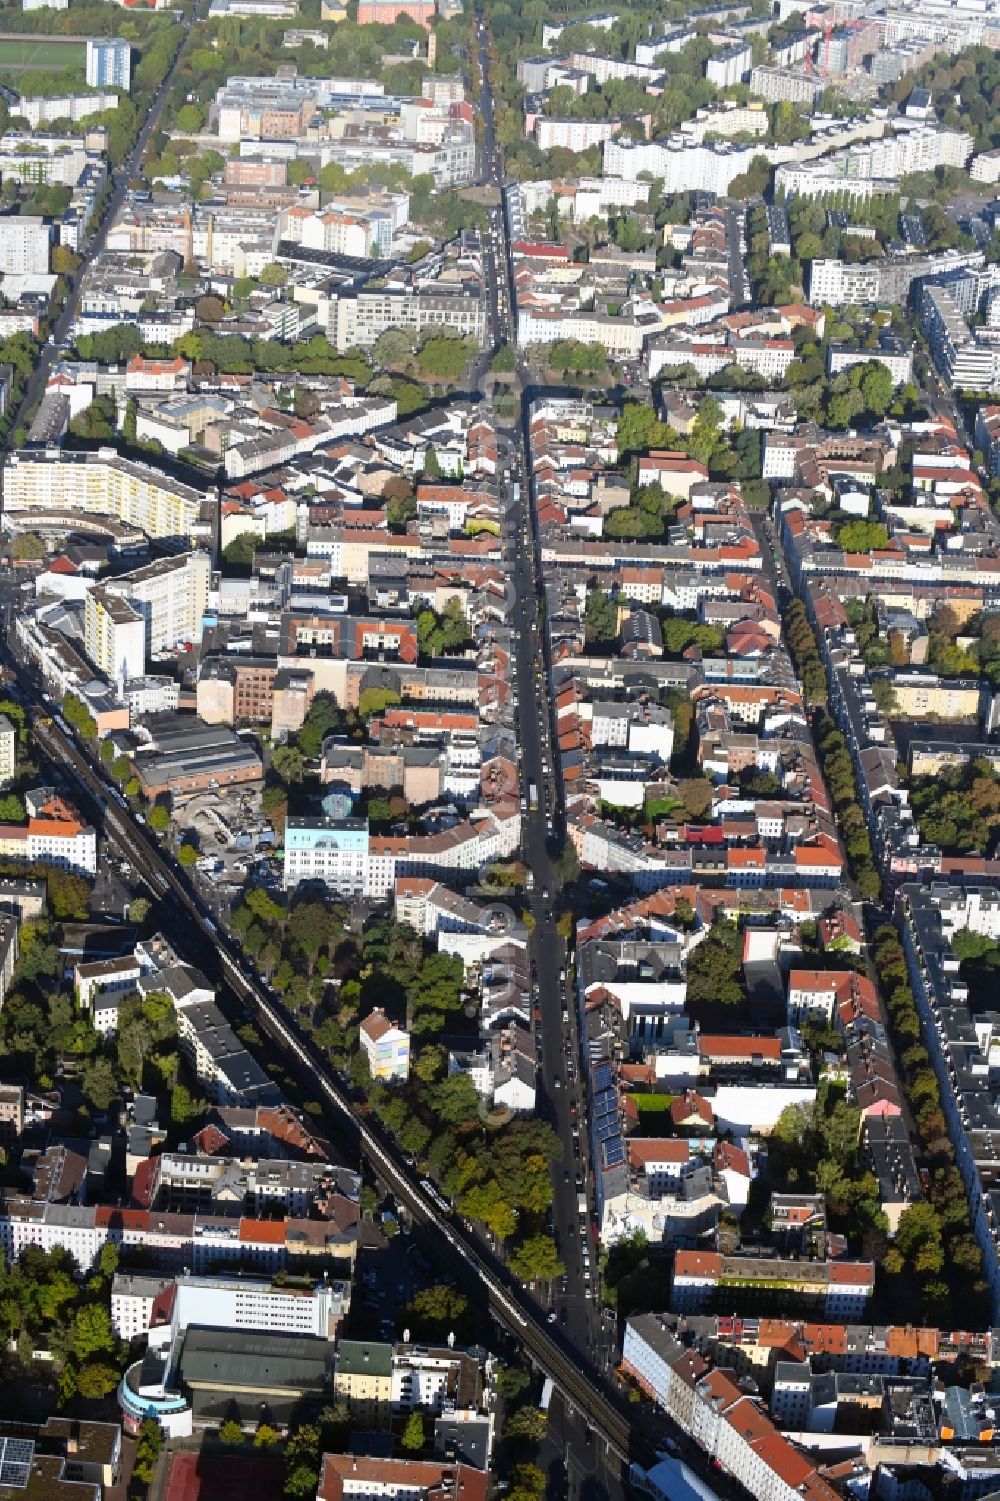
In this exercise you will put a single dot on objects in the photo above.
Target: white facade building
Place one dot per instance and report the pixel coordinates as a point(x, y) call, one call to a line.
point(109, 63)
point(24, 245)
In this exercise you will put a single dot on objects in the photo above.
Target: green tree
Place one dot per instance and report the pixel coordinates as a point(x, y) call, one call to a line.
point(96, 1379)
point(17, 716)
point(512, 1380)
point(393, 347)
point(107, 1261)
point(715, 968)
point(183, 1108)
point(527, 1483)
point(158, 818)
point(600, 618)
point(323, 719)
point(437, 1310)
point(28, 547)
point(876, 386)
point(92, 1332)
point(697, 795)
point(273, 275)
point(99, 1083)
point(918, 1237)
point(190, 118)
point(862, 536)
point(374, 701)
point(413, 1434)
point(627, 522)
point(231, 1432)
point(527, 1425)
point(187, 855)
point(148, 1446)
point(444, 359)
point(431, 468)
point(288, 764)
point(536, 1260)
point(139, 909)
point(12, 808)
point(455, 1101)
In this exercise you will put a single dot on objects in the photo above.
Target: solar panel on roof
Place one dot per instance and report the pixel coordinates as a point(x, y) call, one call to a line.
point(603, 1078)
point(607, 1127)
point(614, 1152)
point(16, 1458)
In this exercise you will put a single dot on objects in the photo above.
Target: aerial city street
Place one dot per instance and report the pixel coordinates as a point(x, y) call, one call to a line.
point(499, 750)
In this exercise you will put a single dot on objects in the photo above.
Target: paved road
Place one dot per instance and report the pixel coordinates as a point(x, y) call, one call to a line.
point(52, 350)
point(775, 570)
point(576, 1467)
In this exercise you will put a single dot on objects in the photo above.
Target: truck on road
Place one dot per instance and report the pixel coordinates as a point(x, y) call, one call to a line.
point(533, 796)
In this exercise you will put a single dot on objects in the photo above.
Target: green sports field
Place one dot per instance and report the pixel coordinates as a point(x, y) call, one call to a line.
point(18, 53)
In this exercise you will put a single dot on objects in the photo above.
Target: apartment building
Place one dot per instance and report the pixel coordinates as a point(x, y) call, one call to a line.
point(108, 63)
point(358, 318)
point(334, 851)
point(385, 12)
point(9, 926)
point(838, 283)
point(41, 110)
point(8, 749)
point(52, 835)
point(170, 596)
point(752, 1343)
point(573, 135)
point(838, 1289)
point(876, 165)
point(101, 985)
point(114, 636)
point(25, 240)
point(363, 1379)
point(622, 337)
point(891, 353)
point(988, 436)
point(273, 111)
point(163, 1307)
point(175, 1242)
point(923, 694)
point(11, 1114)
point(729, 1426)
point(226, 1071)
point(963, 359)
point(778, 85)
point(729, 119)
point(386, 1046)
point(815, 994)
point(133, 1299)
point(685, 166)
point(341, 854)
point(985, 167)
point(344, 1476)
point(730, 65)
point(674, 40)
point(54, 485)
